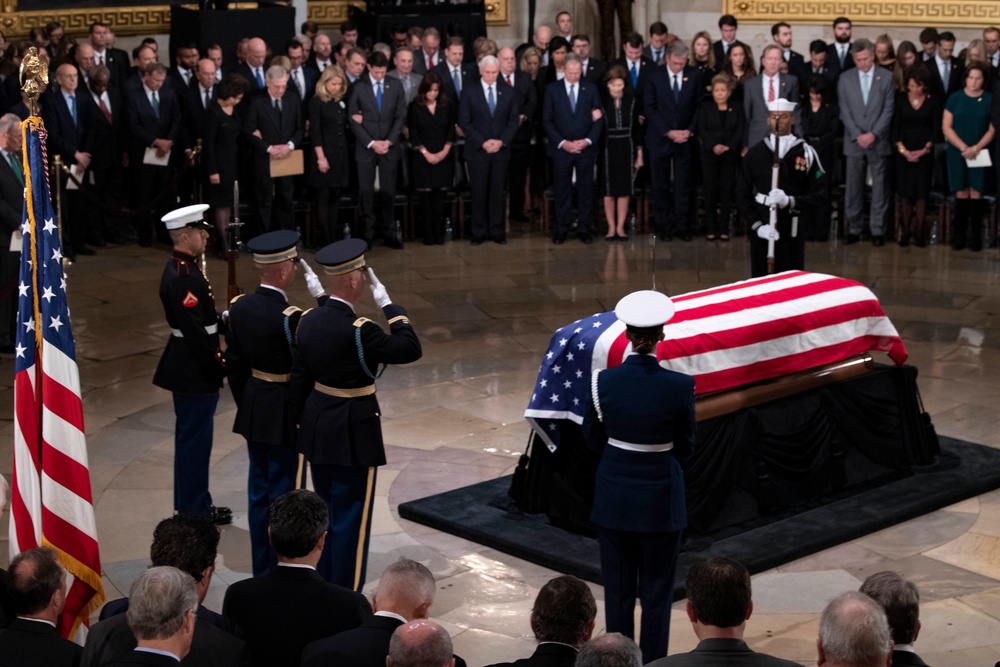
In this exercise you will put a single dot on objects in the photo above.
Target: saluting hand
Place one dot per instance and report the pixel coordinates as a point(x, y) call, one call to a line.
point(313, 284)
point(379, 292)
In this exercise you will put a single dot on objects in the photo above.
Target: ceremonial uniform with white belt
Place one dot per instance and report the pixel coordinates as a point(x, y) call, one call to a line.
point(336, 361)
point(641, 418)
point(192, 368)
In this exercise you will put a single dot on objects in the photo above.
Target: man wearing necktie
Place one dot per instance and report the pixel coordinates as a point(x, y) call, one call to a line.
point(194, 101)
point(106, 143)
point(819, 63)
point(304, 80)
point(840, 50)
point(866, 107)
point(11, 204)
point(991, 37)
point(638, 66)
point(521, 150)
point(403, 60)
point(253, 69)
point(769, 86)
point(946, 72)
point(656, 50)
point(182, 74)
point(455, 74)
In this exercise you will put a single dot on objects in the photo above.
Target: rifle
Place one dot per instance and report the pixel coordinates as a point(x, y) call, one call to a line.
point(234, 244)
point(776, 166)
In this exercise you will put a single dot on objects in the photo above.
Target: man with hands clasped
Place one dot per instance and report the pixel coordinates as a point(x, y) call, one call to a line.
point(336, 361)
point(801, 185)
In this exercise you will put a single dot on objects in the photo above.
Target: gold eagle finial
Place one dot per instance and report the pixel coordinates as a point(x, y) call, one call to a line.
point(34, 72)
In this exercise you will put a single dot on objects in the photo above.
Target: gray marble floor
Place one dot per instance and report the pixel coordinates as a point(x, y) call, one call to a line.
point(485, 315)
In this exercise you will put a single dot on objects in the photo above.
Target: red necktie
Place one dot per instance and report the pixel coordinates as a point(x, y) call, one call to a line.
point(770, 91)
point(509, 81)
point(100, 60)
point(105, 110)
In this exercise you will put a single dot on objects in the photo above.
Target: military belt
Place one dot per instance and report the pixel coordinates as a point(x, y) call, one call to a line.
point(270, 377)
point(345, 393)
point(640, 447)
point(210, 329)
point(760, 198)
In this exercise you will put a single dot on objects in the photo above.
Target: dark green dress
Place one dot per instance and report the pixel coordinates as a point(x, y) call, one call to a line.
point(970, 120)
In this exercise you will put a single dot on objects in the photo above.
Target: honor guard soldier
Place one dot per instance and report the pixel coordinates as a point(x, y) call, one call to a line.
point(801, 185)
point(640, 417)
point(336, 361)
point(259, 365)
point(192, 366)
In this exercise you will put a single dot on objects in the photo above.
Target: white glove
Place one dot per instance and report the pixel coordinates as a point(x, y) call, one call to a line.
point(778, 198)
point(313, 284)
point(379, 292)
point(767, 232)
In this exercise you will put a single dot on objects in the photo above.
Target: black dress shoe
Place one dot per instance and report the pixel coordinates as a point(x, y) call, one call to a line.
point(559, 239)
point(500, 240)
point(586, 239)
point(686, 237)
point(221, 516)
point(70, 255)
point(476, 241)
point(518, 217)
point(851, 239)
point(394, 243)
point(84, 250)
point(878, 240)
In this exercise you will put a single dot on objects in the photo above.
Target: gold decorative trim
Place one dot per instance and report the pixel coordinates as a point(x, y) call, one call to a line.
point(952, 13)
point(329, 13)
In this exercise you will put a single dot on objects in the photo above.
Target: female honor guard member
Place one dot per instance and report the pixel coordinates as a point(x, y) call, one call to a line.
point(641, 418)
point(191, 367)
point(801, 185)
point(336, 361)
point(259, 364)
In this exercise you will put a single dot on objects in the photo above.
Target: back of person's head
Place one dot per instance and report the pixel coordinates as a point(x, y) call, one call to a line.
point(185, 541)
point(159, 601)
point(610, 650)
point(407, 588)
point(719, 592)
point(420, 643)
point(34, 576)
point(854, 632)
point(900, 600)
point(564, 611)
point(296, 522)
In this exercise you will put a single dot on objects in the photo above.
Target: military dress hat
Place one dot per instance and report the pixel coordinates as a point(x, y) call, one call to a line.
point(342, 257)
point(274, 247)
point(646, 309)
point(781, 104)
point(188, 216)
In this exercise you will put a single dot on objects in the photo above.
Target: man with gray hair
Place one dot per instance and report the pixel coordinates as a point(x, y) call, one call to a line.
point(611, 650)
point(853, 632)
point(901, 601)
point(161, 613)
point(420, 643)
point(866, 107)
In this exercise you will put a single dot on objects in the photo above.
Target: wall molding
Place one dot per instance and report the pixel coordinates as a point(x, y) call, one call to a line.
point(951, 13)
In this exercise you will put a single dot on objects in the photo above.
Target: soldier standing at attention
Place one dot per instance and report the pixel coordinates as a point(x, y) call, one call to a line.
point(336, 362)
point(192, 366)
point(259, 342)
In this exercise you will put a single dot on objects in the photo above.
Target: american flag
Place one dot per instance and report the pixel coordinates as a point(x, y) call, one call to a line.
point(51, 502)
point(725, 337)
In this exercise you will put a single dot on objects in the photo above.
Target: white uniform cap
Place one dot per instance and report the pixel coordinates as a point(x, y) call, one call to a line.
point(645, 309)
point(188, 216)
point(781, 104)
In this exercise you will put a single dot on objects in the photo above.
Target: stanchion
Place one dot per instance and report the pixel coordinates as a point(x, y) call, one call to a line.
point(59, 211)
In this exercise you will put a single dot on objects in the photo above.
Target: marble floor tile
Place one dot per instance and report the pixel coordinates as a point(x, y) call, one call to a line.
point(917, 535)
point(971, 551)
point(799, 592)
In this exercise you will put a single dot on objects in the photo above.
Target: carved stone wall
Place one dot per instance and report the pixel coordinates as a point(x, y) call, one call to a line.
point(955, 13)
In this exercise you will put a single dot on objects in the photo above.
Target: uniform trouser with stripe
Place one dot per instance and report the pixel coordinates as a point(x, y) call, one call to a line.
point(349, 492)
point(272, 473)
point(192, 452)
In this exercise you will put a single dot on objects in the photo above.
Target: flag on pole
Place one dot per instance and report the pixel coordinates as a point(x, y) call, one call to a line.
point(51, 503)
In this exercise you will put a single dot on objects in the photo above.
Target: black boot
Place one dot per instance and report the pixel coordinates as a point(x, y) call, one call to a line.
point(976, 210)
point(959, 224)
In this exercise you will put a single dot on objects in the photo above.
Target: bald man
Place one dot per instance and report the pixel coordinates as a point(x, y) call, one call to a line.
point(421, 643)
point(253, 69)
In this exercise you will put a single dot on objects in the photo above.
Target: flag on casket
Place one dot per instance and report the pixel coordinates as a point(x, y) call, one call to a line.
point(725, 337)
point(51, 502)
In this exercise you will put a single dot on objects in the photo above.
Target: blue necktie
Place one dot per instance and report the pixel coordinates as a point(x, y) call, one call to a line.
point(635, 76)
point(378, 95)
point(864, 88)
point(260, 79)
point(156, 105)
point(572, 97)
point(490, 101)
point(72, 108)
point(458, 82)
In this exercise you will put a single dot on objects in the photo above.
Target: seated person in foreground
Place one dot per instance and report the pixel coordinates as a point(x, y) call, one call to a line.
point(853, 632)
point(901, 601)
point(161, 615)
point(610, 650)
point(420, 643)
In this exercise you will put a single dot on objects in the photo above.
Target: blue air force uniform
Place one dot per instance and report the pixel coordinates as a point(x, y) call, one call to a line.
point(192, 368)
point(336, 359)
point(641, 418)
point(259, 364)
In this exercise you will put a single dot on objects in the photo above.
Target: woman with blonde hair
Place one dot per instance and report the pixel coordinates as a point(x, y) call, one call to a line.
point(885, 52)
point(329, 169)
point(906, 57)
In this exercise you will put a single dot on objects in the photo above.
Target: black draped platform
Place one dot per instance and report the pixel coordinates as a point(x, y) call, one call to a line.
point(467, 20)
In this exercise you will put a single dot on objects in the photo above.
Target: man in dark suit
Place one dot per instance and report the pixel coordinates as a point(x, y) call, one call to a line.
point(639, 67)
point(115, 60)
point(37, 590)
point(142, 57)
point(818, 64)
point(520, 151)
point(83, 57)
point(838, 54)
point(321, 55)
point(718, 606)
point(781, 33)
point(301, 80)
point(573, 124)
point(428, 56)
point(420, 644)
point(456, 75)
point(562, 620)
point(901, 601)
point(946, 72)
point(11, 205)
point(154, 122)
point(672, 98)
point(489, 117)
point(770, 85)
point(253, 69)
point(727, 28)
point(593, 68)
point(162, 618)
point(182, 74)
point(656, 50)
point(273, 127)
point(197, 100)
point(106, 145)
point(377, 111)
point(291, 606)
point(68, 120)
point(405, 593)
point(853, 631)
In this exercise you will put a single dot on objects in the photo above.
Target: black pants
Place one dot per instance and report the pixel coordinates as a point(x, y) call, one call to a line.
point(520, 160)
point(563, 164)
point(487, 177)
point(431, 228)
point(275, 200)
point(387, 165)
point(718, 174)
point(327, 213)
point(671, 199)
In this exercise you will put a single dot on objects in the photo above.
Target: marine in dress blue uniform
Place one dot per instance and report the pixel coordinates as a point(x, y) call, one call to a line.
point(192, 366)
point(641, 418)
point(336, 362)
point(258, 357)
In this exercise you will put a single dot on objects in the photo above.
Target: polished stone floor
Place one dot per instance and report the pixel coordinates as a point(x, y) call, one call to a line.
point(485, 315)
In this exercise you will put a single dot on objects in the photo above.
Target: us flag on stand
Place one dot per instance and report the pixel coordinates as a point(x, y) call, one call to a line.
point(725, 337)
point(51, 502)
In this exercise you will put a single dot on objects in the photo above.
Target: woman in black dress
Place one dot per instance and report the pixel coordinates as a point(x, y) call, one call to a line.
point(916, 127)
point(329, 170)
point(220, 158)
point(432, 118)
point(721, 125)
point(820, 128)
point(621, 152)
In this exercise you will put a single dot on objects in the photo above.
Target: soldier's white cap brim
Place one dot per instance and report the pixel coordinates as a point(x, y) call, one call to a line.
point(645, 309)
point(781, 104)
point(186, 216)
